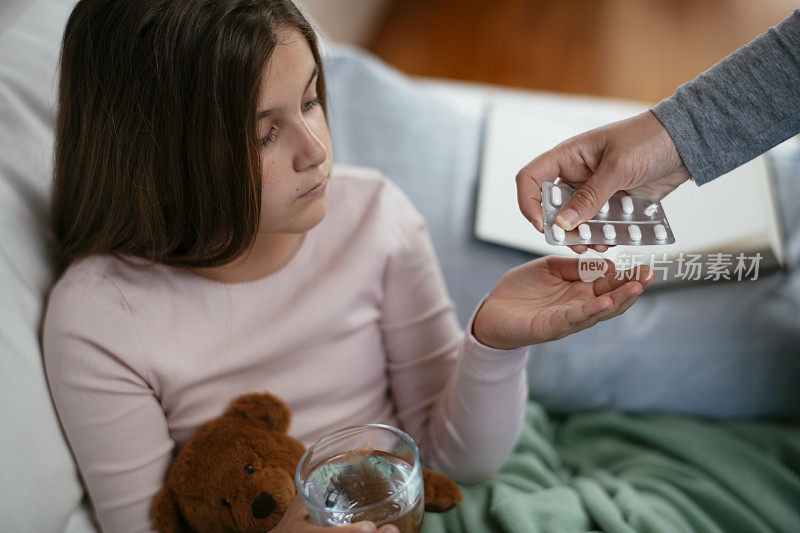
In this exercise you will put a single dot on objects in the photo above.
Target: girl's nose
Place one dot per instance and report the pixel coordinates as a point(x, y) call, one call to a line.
point(311, 151)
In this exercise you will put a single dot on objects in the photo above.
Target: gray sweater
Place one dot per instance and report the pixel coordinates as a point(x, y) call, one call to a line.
point(741, 107)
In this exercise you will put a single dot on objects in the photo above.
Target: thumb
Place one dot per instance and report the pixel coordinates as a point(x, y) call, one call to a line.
point(589, 198)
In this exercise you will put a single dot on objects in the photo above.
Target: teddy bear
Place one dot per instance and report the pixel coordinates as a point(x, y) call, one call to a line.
point(236, 473)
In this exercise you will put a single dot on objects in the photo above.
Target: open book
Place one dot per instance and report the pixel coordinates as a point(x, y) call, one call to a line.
point(733, 217)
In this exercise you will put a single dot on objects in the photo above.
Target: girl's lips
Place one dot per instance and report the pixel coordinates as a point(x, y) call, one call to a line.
point(316, 190)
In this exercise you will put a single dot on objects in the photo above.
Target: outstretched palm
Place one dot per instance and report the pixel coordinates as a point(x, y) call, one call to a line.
point(545, 300)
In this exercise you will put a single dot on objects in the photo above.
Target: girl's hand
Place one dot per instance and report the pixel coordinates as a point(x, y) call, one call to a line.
point(296, 520)
point(545, 300)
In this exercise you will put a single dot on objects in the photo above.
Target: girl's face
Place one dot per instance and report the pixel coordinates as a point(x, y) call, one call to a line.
point(295, 144)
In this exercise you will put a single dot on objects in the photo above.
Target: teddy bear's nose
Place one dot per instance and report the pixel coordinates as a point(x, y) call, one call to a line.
point(263, 505)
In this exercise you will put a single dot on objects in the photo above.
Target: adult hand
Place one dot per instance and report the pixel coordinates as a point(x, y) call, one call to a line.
point(636, 155)
point(296, 520)
point(545, 300)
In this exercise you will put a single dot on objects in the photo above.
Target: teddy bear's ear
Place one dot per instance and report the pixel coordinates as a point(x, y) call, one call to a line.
point(166, 514)
point(441, 492)
point(262, 406)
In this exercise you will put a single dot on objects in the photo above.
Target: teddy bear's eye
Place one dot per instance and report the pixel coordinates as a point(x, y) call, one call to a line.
point(249, 469)
point(226, 502)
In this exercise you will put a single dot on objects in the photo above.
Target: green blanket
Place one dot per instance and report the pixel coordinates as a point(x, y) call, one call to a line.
point(609, 471)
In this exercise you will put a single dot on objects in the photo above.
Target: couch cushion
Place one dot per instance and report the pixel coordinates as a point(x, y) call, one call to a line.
point(41, 489)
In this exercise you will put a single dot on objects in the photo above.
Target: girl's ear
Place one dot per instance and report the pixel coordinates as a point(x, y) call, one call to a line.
point(166, 513)
point(263, 407)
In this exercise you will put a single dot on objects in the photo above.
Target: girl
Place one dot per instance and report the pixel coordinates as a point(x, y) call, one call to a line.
point(210, 249)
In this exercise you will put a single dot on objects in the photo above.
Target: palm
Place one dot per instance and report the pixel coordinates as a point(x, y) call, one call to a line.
point(545, 300)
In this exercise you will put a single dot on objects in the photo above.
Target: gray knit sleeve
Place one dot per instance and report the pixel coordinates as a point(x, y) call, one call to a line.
point(741, 107)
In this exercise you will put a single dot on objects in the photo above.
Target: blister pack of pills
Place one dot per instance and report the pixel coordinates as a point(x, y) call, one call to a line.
point(626, 220)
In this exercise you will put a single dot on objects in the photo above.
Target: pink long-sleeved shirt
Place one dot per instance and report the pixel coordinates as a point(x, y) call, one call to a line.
point(356, 328)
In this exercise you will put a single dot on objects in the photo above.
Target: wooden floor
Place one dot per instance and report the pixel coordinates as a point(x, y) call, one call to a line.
point(637, 49)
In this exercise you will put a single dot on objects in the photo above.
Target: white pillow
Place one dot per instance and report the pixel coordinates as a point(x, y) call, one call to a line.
point(41, 489)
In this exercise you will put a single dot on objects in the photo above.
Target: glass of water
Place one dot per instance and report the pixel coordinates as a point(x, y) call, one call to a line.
point(366, 472)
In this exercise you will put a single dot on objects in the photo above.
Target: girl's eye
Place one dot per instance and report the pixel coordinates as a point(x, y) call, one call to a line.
point(270, 138)
point(273, 133)
point(311, 103)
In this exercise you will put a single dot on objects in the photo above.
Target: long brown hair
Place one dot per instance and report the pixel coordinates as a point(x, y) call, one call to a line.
point(156, 149)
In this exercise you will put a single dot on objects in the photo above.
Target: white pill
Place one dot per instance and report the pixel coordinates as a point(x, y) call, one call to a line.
point(605, 208)
point(558, 233)
point(555, 196)
point(609, 232)
point(627, 205)
point(585, 232)
point(651, 209)
point(635, 232)
point(660, 231)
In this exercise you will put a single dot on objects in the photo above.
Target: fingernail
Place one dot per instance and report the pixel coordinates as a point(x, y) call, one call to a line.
point(389, 529)
point(366, 527)
point(567, 219)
